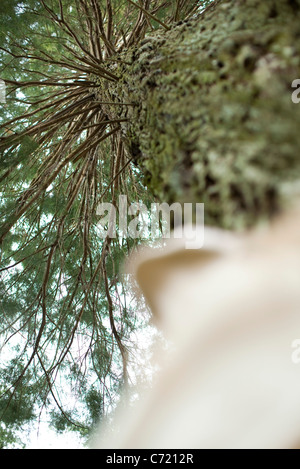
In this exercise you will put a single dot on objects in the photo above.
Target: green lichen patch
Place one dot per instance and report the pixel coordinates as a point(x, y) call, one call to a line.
point(213, 119)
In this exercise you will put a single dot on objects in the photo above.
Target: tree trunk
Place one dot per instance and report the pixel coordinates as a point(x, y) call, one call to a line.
point(213, 119)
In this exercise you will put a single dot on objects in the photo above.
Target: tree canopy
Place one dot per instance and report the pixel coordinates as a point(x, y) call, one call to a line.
point(68, 317)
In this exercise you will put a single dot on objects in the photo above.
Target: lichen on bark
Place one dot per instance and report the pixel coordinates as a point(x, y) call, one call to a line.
point(213, 119)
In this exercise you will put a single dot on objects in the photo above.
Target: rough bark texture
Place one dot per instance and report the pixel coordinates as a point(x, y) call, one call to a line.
point(214, 121)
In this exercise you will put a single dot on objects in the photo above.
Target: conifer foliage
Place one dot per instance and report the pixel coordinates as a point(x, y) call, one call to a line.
point(66, 315)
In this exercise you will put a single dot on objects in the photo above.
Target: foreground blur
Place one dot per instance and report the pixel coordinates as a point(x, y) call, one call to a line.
point(232, 310)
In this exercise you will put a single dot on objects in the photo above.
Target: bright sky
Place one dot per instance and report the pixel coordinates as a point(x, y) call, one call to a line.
point(48, 439)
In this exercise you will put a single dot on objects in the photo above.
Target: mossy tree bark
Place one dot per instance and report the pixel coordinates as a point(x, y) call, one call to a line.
point(213, 119)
